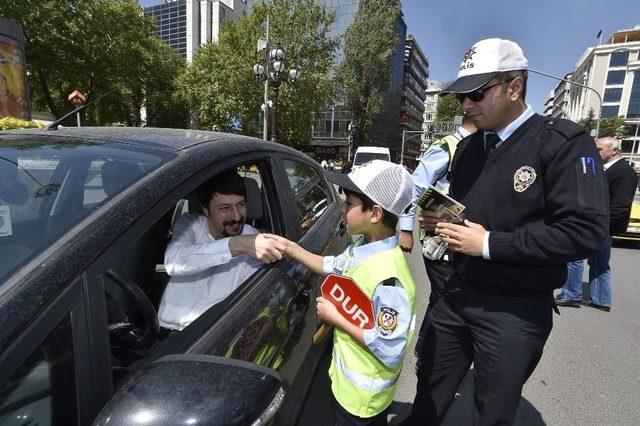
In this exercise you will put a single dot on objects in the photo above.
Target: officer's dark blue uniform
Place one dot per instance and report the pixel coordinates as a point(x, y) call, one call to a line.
point(541, 206)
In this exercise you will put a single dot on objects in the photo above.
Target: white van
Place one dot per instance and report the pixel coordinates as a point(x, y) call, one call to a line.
point(364, 154)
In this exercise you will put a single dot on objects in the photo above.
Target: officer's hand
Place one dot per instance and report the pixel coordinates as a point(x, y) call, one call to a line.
point(428, 220)
point(463, 239)
point(259, 247)
point(405, 240)
point(326, 310)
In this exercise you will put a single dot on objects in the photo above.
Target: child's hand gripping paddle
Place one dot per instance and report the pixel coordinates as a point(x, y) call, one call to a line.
point(352, 303)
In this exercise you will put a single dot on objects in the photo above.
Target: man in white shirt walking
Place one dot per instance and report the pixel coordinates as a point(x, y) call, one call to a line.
point(212, 254)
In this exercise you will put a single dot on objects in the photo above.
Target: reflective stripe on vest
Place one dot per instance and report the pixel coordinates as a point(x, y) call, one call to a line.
point(363, 382)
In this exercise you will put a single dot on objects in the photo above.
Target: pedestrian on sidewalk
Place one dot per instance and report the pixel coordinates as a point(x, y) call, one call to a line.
point(530, 209)
point(622, 181)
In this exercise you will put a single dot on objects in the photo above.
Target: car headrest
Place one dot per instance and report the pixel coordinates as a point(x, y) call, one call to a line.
point(254, 200)
point(117, 173)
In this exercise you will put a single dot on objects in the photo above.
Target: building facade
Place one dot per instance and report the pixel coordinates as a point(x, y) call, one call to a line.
point(613, 70)
point(330, 128)
point(187, 24)
point(414, 86)
point(432, 95)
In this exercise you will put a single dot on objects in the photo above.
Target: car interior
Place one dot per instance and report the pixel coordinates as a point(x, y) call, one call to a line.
point(135, 282)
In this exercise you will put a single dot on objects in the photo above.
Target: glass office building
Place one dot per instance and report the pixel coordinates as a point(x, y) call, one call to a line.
point(186, 24)
point(330, 126)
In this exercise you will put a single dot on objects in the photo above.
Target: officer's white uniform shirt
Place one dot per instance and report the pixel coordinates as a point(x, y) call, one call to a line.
point(387, 346)
point(202, 271)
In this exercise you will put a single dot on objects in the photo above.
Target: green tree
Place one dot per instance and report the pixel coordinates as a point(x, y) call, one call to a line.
point(614, 126)
point(589, 122)
point(448, 107)
point(93, 46)
point(365, 72)
point(220, 84)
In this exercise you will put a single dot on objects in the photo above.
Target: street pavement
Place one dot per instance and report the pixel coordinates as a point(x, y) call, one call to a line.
point(588, 373)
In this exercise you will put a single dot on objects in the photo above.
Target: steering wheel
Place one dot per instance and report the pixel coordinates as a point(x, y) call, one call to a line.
point(125, 333)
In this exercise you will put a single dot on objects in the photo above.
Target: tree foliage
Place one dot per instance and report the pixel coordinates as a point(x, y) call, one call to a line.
point(220, 84)
point(95, 46)
point(365, 72)
point(448, 107)
point(614, 126)
point(589, 122)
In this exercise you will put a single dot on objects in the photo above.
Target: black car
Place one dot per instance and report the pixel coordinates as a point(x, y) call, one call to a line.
point(85, 217)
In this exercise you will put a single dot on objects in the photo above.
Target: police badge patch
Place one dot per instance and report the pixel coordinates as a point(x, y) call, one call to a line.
point(387, 320)
point(523, 178)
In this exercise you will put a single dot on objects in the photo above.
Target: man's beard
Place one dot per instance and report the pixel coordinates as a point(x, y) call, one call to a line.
point(232, 223)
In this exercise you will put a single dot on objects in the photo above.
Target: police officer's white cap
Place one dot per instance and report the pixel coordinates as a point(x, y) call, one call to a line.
point(485, 60)
point(389, 185)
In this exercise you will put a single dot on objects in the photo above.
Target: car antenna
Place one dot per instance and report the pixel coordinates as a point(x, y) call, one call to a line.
point(55, 124)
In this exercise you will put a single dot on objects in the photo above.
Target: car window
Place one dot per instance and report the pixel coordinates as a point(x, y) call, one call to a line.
point(48, 184)
point(141, 264)
point(255, 333)
point(310, 191)
point(365, 157)
point(42, 390)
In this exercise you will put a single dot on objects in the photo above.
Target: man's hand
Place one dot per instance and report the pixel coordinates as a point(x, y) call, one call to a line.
point(428, 220)
point(462, 239)
point(259, 247)
point(405, 240)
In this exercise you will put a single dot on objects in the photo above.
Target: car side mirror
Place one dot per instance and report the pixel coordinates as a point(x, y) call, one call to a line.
point(195, 390)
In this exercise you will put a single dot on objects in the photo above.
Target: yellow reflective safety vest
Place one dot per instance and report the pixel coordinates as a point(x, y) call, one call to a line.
point(361, 383)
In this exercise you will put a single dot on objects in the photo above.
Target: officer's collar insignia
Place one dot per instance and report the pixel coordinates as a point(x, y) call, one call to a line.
point(387, 320)
point(523, 178)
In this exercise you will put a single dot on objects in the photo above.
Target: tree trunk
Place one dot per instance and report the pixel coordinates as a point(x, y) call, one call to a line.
point(47, 94)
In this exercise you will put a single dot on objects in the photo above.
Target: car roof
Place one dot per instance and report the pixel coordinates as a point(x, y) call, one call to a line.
point(159, 138)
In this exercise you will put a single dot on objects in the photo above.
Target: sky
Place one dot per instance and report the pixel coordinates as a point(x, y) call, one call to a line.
point(552, 34)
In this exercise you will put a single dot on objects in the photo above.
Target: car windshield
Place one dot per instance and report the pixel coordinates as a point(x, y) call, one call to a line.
point(365, 157)
point(48, 184)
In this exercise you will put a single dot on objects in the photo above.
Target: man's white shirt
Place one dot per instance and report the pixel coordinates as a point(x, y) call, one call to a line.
point(202, 271)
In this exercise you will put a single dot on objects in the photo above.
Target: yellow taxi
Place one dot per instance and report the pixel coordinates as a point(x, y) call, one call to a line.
point(633, 230)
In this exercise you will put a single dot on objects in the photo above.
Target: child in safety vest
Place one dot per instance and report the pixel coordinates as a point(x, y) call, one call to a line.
point(366, 363)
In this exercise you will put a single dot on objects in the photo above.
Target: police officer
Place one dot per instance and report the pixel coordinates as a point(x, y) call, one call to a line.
point(535, 198)
point(433, 168)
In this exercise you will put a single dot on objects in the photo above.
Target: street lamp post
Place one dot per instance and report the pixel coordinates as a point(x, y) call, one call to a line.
point(580, 85)
point(273, 71)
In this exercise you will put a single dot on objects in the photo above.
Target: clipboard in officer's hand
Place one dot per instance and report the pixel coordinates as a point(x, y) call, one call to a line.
point(350, 301)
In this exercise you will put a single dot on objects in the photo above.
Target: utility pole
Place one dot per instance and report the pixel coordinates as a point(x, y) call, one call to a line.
point(265, 122)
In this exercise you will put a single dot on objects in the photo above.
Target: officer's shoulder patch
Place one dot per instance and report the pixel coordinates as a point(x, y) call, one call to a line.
point(567, 128)
point(387, 320)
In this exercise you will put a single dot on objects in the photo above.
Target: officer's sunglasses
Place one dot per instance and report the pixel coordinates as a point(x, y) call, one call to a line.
point(478, 94)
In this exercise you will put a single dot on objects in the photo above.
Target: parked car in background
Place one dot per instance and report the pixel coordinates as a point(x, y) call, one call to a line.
point(364, 154)
point(85, 217)
point(633, 229)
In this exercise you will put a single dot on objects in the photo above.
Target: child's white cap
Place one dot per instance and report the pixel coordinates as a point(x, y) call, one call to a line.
point(388, 185)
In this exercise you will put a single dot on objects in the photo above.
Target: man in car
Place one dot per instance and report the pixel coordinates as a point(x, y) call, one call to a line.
point(211, 254)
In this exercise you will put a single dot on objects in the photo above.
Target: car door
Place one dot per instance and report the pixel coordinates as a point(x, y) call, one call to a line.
point(45, 376)
point(315, 214)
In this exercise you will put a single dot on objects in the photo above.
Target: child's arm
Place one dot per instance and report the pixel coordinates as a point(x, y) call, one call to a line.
point(328, 312)
point(312, 261)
